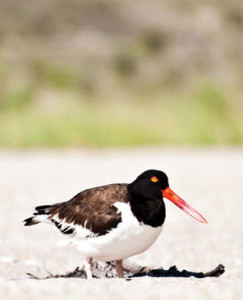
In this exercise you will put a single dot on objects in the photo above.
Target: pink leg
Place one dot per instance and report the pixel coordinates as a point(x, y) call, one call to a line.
point(88, 267)
point(119, 268)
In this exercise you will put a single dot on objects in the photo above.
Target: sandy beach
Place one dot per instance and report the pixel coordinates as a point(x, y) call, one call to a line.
point(210, 179)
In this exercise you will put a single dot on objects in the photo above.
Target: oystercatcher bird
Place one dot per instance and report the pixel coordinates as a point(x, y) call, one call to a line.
point(116, 221)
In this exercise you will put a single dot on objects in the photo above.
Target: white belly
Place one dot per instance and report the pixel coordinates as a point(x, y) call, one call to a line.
point(129, 238)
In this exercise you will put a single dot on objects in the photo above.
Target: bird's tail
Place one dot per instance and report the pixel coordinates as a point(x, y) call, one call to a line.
point(40, 215)
point(30, 221)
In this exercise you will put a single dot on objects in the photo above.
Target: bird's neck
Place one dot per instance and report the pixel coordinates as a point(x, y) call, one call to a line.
point(150, 211)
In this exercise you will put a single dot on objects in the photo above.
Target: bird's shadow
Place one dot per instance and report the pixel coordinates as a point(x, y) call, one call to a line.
point(109, 272)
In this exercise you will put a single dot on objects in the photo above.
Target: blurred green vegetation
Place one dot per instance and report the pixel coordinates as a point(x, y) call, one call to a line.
point(103, 73)
point(206, 116)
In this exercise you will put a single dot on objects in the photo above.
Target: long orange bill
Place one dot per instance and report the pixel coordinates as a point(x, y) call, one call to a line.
point(169, 194)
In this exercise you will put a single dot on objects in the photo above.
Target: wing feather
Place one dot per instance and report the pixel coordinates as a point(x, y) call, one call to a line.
point(91, 209)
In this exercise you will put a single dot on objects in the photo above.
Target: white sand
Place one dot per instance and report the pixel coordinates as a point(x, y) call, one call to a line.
point(211, 180)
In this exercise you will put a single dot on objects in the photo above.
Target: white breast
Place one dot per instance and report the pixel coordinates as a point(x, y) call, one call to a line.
point(129, 238)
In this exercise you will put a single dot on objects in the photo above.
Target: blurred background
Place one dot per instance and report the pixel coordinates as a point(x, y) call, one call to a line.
point(120, 73)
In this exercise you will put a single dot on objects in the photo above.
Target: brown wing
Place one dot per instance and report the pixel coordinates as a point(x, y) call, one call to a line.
point(92, 209)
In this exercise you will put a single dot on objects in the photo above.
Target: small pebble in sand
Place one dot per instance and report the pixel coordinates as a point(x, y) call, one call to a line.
point(7, 259)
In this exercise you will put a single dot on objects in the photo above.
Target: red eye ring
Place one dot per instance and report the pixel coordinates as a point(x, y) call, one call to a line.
point(154, 179)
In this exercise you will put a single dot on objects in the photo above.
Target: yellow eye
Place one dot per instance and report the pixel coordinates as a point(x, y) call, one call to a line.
point(154, 179)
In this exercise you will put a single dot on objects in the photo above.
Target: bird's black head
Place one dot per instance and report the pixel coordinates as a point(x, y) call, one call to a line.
point(154, 185)
point(149, 185)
